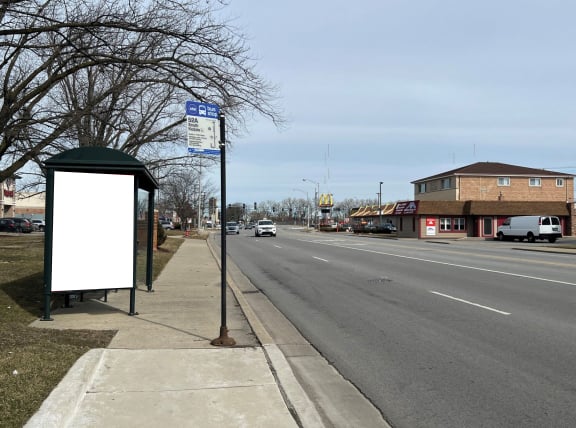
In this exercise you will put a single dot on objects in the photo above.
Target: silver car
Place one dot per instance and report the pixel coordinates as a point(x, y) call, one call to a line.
point(232, 227)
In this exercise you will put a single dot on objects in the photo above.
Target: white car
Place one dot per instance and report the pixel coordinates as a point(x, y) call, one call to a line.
point(38, 224)
point(265, 227)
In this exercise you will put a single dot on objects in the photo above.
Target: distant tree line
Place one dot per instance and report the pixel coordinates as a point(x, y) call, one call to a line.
point(292, 209)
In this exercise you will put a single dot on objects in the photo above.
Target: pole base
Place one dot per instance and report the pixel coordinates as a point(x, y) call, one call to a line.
point(223, 340)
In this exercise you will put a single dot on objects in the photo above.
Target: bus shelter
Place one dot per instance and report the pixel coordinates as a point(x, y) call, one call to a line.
point(99, 202)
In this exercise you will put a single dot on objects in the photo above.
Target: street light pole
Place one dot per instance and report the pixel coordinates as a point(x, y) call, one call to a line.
point(307, 208)
point(380, 203)
point(316, 194)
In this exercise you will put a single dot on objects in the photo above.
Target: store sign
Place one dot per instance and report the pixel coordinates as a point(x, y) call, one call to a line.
point(326, 200)
point(406, 208)
point(430, 226)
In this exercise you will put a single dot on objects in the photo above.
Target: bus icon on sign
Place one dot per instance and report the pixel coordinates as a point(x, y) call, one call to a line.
point(203, 110)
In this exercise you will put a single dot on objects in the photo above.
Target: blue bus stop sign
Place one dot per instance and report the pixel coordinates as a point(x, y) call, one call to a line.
point(203, 126)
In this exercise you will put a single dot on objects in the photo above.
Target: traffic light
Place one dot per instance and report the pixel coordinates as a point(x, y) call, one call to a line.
point(255, 207)
point(244, 207)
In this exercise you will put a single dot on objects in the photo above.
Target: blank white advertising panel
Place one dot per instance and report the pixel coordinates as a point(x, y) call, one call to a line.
point(93, 231)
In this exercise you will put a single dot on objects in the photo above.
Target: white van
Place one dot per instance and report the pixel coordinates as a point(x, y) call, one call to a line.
point(530, 227)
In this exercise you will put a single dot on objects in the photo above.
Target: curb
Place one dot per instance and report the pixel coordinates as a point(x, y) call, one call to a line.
point(297, 400)
point(547, 250)
point(58, 409)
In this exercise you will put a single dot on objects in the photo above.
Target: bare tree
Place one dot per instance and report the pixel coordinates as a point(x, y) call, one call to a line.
point(180, 192)
point(117, 74)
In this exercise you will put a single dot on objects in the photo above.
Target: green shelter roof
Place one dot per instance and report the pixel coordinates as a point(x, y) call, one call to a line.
point(102, 160)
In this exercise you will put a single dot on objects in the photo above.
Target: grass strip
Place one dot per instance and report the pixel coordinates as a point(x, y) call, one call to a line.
point(32, 360)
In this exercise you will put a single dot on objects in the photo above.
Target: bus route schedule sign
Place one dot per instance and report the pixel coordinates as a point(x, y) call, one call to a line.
point(203, 128)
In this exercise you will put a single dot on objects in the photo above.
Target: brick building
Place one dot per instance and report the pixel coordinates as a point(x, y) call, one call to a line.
point(472, 201)
point(491, 181)
point(30, 205)
point(8, 197)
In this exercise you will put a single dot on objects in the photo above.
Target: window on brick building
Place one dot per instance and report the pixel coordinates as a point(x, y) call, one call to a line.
point(445, 224)
point(459, 223)
point(448, 224)
point(559, 182)
point(535, 182)
point(503, 181)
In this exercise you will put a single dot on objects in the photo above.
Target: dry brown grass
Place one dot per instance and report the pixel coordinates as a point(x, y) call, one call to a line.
point(33, 360)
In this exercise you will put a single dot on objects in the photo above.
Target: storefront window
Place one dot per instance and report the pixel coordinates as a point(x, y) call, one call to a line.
point(448, 224)
point(445, 224)
point(460, 223)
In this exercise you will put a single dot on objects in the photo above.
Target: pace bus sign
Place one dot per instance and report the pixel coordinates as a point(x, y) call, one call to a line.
point(203, 128)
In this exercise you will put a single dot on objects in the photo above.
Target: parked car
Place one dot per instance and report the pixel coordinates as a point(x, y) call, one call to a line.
point(370, 228)
point(167, 224)
point(39, 224)
point(232, 227)
point(375, 228)
point(250, 225)
point(16, 224)
point(388, 228)
point(7, 225)
point(23, 225)
point(347, 227)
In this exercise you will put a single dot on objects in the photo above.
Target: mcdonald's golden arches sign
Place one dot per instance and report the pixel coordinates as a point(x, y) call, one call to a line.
point(326, 200)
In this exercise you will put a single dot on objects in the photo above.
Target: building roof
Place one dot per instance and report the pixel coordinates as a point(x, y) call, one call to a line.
point(489, 208)
point(495, 169)
point(372, 210)
point(478, 208)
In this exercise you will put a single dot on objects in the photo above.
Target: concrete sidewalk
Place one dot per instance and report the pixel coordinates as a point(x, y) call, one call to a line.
point(160, 368)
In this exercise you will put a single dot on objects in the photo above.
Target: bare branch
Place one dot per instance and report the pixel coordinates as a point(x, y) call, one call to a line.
point(117, 74)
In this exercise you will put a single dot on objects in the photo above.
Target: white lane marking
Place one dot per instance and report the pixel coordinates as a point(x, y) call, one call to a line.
point(277, 246)
point(470, 303)
point(450, 264)
point(322, 260)
point(332, 242)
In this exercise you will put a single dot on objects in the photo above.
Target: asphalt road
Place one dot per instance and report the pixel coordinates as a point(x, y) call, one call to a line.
point(455, 334)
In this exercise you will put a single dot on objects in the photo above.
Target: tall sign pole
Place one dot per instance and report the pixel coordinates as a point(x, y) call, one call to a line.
point(205, 137)
point(199, 195)
point(223, 339)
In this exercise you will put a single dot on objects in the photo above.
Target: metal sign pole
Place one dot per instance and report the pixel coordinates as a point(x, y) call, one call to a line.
point(223, 339)
point(199, 194)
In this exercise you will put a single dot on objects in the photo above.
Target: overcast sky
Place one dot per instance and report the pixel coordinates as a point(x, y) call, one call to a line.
point(398, 90)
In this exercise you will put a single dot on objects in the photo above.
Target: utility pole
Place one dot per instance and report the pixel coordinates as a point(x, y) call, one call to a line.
point(380, 203)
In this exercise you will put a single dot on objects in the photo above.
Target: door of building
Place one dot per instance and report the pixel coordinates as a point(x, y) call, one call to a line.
point(487, 226)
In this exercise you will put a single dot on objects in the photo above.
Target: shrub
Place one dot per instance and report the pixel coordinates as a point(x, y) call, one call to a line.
point(160, 234)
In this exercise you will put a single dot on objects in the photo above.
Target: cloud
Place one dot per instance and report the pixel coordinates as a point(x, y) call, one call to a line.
point(403, 90)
